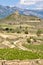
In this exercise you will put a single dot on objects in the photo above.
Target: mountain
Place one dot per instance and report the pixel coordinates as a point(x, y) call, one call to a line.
point(17, 18)
point(7, 10)
point(38, 13)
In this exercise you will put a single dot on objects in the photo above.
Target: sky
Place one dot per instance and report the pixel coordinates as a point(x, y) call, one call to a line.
point(28, 4)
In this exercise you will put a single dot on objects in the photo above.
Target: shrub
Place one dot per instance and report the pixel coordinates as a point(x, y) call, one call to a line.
point(12, 43)
point(38, 32)
point(18, 30)
point(6, 29)
point(34, 38)
point(12, 30)
point(26, 31)
point(28, 40)
point(20, 27)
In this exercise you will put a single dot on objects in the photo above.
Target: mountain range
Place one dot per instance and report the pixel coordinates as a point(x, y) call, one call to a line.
point(7, 10)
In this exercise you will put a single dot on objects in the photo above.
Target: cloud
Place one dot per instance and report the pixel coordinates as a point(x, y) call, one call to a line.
point(39, 5)
point(26, 2)
point(29, 2)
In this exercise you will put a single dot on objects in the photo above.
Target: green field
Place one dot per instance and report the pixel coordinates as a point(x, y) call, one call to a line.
point(16, 54)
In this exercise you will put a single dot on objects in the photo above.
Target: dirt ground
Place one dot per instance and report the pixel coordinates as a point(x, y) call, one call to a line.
point(23, 62)
point(14, 40)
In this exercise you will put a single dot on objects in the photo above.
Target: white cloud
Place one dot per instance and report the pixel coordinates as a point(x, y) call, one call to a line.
point(29, 2)
point(39, 5)
point(32, 4)
point(26, 2)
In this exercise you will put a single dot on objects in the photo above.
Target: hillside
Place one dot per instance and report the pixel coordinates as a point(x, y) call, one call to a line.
point(18, 18)
point(20, 37)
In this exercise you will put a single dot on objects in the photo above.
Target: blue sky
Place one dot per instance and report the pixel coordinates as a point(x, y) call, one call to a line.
point(29, 4)
point(8, 2)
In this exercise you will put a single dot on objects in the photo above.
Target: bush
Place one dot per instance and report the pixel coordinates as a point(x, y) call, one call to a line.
point(20, 27)
point(34, 39)
point(38, 32)
point(28, 40)
point(6, 29)
point(18, 31)
point(26, 31)
point(12, 43)
point(12, 30)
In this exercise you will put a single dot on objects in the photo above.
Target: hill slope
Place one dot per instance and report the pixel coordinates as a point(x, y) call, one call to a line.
point(16, 17)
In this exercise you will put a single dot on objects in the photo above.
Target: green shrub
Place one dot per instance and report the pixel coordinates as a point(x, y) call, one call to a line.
point(20, 27)
point(18, 31)
point(38, 32)
point(34, 38)
point(7, 29)
point(26, 31)
point(12, 43)
point(28, 40)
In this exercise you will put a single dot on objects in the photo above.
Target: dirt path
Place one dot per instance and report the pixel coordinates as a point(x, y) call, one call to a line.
point(3, 35)
point(19, 43)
